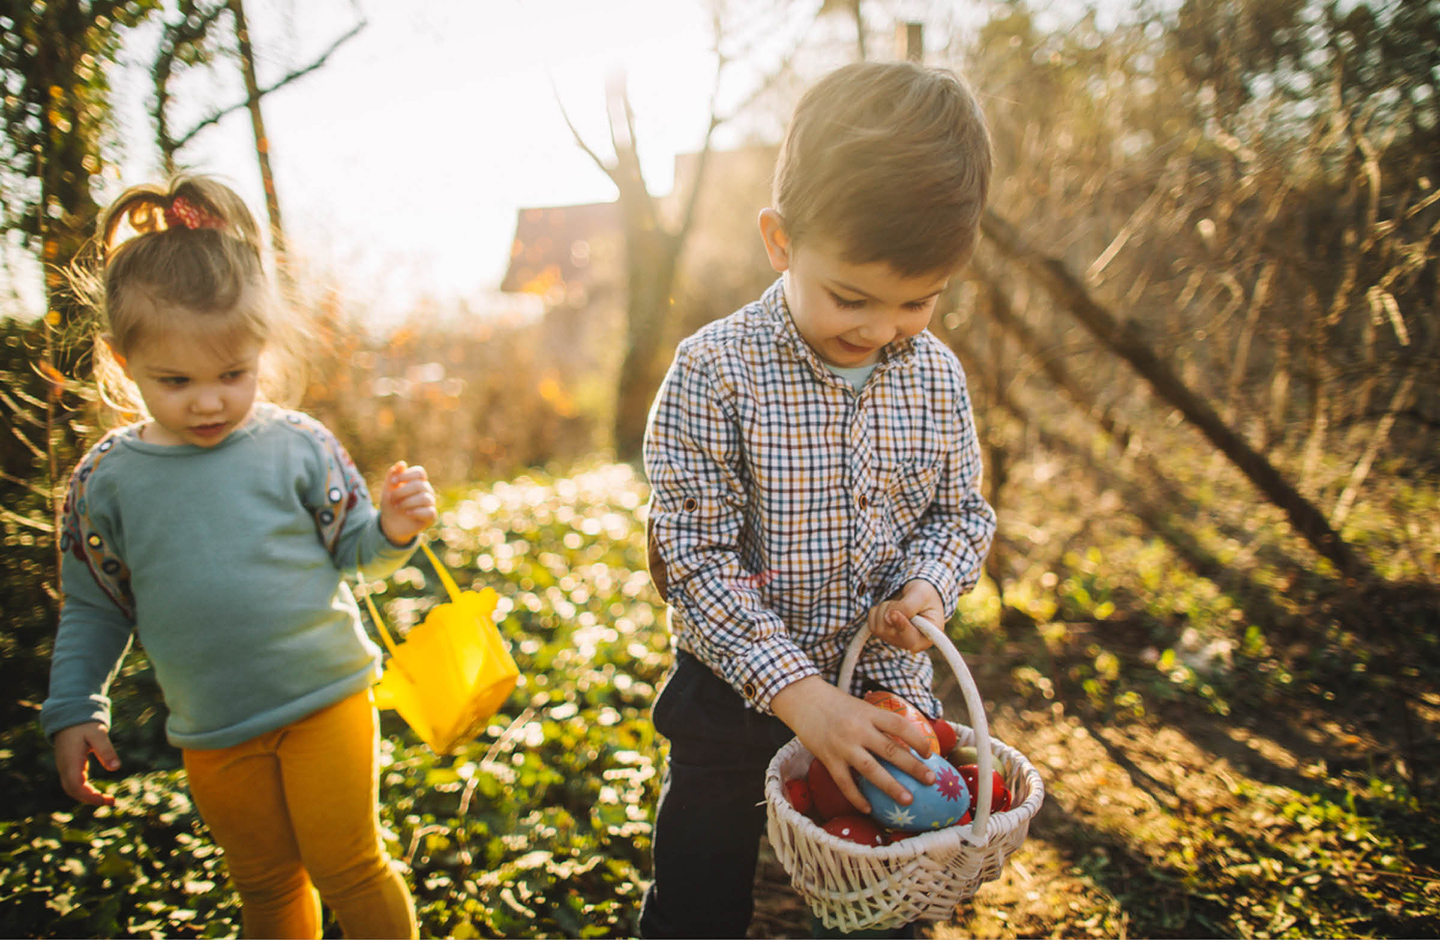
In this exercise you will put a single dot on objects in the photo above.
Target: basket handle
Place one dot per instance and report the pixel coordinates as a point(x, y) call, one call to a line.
point(973, 704)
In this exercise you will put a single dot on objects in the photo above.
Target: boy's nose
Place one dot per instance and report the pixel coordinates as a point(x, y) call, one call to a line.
point(880, 333)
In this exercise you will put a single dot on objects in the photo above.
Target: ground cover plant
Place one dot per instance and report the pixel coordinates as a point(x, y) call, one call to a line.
point(1207, 774)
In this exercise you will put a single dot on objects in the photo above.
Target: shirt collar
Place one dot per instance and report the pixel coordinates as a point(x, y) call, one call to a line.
point(898, 355)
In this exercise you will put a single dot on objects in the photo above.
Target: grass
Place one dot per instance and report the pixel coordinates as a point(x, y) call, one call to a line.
point(1248, 758)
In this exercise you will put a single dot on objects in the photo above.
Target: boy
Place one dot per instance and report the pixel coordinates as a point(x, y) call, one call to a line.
point(814, 465)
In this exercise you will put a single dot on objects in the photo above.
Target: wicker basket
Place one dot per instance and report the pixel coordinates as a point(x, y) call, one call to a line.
point(854, 887)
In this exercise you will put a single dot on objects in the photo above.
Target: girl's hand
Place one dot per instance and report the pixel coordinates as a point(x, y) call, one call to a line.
point(845, 732)
point(890, 620)
point(73, 747)
point(407, 503)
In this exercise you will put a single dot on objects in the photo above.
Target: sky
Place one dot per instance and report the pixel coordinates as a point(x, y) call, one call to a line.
point(401, 163)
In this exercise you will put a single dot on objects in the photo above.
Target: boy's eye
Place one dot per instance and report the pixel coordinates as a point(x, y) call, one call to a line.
point(845, 303)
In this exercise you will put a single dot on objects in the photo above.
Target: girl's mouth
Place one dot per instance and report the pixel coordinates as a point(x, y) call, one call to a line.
point(208, 430)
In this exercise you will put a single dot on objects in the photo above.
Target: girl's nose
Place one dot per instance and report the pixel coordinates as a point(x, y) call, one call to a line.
point(209, 399)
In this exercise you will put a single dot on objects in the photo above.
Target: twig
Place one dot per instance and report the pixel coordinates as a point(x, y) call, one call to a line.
point(215, 117)
point(1362, 469)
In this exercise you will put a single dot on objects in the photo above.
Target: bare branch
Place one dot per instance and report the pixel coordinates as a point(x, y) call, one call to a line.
point(580, 141)
point(214, 118)
point(189, 31)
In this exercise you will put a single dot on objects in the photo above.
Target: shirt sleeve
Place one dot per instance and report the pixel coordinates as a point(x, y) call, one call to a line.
point(694, 462)
point(949, 544)
point(347, 519)
point(95, 628)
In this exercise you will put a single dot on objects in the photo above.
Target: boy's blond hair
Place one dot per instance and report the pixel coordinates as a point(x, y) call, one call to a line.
point(888, 162)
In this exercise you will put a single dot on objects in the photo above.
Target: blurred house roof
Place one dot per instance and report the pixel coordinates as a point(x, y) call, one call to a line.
point(552, 246)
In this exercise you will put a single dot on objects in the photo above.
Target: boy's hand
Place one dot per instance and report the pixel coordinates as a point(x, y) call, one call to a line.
point(407, 503)
point(73, 747)
point(845, 732)
point(890, 620)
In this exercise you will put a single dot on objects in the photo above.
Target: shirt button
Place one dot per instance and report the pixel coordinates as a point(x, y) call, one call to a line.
point(750, 690)
point(862, 501)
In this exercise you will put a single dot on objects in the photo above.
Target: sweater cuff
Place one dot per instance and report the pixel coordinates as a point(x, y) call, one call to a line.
point(56, 716)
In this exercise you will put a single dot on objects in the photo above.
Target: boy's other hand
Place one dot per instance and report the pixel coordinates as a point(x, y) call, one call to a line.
point(845, 732)
point(891, 620)
point(407, 503)
point(73, 747)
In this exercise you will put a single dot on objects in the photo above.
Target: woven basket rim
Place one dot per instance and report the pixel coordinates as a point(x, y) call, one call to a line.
point(949, 838)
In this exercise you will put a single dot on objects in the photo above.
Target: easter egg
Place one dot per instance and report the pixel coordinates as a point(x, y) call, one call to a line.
point(853, 827)
point(937, 806)
point(825, 794)
point(999, 793)
point(797, 791)
point(891, 702)
point(945, 734)
point(968, 754)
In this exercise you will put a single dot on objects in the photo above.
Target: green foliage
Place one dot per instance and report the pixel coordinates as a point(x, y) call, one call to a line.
point(539, 827)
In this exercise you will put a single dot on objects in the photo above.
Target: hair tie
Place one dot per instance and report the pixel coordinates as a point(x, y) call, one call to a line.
point(182, 213)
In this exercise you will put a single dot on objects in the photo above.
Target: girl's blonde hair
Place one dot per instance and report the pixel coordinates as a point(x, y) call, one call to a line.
point(184, 257)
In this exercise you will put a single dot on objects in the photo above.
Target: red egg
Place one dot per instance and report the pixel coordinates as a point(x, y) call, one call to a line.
point(825, 794)
point(945, 733)
point(797, 791)
point(999, 795)
point(856, 828)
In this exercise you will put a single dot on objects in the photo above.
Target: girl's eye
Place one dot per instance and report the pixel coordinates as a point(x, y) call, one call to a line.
point(174, 381)
point(234, 376)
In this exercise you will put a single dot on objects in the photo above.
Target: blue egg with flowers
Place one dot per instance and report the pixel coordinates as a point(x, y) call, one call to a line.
point(937, 806)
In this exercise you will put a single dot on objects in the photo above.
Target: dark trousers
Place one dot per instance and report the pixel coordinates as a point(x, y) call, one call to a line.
point(712, 806)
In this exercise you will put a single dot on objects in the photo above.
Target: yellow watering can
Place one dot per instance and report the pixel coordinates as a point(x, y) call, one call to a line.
point(452, 672)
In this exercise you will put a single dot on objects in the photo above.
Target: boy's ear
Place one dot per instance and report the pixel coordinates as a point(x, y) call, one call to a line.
point(777, 240)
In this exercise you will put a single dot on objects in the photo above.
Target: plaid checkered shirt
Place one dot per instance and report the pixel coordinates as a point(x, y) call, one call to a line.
point(784, 505)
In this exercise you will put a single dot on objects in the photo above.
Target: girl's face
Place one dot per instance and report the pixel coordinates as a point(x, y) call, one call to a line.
point(847, 312)
point(195, 393)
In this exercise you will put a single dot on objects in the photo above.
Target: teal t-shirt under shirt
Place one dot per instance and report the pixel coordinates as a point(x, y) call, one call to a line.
point(857, 376)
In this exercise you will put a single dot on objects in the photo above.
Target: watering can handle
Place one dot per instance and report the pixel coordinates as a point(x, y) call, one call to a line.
point(450, 588)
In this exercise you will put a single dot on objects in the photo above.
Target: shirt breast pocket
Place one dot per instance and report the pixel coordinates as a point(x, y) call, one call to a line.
point(911, 490)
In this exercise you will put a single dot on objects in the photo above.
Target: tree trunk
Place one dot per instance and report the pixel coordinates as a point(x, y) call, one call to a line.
point(262, 142)
point(70, 131)
point(1066, 291)
point(652, 262)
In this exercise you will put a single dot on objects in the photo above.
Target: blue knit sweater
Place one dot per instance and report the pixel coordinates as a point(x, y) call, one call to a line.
point(226, 563)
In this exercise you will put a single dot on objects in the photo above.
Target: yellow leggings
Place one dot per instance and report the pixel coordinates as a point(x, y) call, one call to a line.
point(295, 811)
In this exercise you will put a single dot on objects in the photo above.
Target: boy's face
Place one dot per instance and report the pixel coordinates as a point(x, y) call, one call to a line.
point(847, 312)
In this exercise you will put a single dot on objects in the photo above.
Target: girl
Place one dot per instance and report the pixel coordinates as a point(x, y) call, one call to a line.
point(216, 529)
